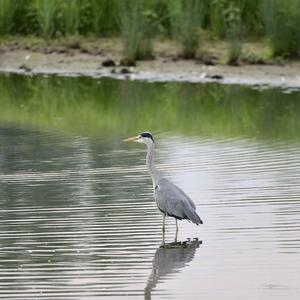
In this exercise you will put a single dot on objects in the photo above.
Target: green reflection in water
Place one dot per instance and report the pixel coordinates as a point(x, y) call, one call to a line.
point(87, 106)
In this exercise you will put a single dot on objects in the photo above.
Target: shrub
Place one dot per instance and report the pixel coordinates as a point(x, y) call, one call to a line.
point(187, 18)
point(137, 27)
point(46, 14)
point(232, 17)
point(282, 21)
point(7, 11)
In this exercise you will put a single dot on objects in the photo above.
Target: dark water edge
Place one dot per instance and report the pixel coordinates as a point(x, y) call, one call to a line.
point(285, 82)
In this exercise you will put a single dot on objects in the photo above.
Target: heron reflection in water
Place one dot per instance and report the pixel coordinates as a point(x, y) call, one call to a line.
point(170, 199)
point(168, 259)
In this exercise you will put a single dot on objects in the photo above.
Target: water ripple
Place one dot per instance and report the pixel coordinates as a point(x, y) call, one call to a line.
point(89, 228)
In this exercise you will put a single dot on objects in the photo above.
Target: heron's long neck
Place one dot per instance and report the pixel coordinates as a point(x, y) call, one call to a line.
point(151, 165)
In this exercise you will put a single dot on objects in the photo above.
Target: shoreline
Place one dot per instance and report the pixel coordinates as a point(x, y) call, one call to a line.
point(162, 69)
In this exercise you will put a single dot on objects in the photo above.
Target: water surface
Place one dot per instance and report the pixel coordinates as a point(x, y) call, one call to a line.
point(77, 219)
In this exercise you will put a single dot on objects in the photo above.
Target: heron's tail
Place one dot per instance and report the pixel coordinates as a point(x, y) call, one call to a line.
point(193, 216)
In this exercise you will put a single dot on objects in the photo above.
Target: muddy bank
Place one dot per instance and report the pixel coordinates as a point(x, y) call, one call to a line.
point(163, 68)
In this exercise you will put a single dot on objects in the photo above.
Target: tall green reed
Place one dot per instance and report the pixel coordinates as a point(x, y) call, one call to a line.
point(137, 22)
point(249, 14)
point(71, 16)
point(105, 16)
point(7, 11)
point(233, 28)
point(187, 18)
point(24, 18)
point(131, 22)
point(250, 17)
point(150, 28)
point(282, 21)
point(216, 15)
point(46, 11)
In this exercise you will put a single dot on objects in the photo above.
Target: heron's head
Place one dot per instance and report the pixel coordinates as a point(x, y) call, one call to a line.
point(145, 137)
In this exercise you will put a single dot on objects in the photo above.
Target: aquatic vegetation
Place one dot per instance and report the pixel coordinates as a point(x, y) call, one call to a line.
point(232, 16)
point(104, 16)
point(7, 11)
point(130, 22)
point(282, 21)
point(216, 14)
point(71, 16)
point(46, 11)
point(139, 22)
point(187, 18)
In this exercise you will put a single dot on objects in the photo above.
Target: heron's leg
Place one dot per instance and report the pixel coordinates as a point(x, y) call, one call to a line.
point(176, 230)
point(164, 223)
point(164, 228)
point(163, 238)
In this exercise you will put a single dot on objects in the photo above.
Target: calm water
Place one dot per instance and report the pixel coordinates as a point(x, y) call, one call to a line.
point(77, 219)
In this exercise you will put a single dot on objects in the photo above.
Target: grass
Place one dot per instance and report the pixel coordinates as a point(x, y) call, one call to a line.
point(71, 16)
point(282, 21)
point(140, 22)
point(7, 11)
point(232, 18)
point(130, 22)
point(46, 11)
point(216, 14)
point(137, 23)
point(104, 16)
point(187, 18)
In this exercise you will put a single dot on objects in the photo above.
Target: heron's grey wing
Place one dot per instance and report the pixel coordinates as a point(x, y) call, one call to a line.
point(167, 186)
point(174, 202)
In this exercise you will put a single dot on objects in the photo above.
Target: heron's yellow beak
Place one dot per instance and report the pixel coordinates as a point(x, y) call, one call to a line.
point(132, 139)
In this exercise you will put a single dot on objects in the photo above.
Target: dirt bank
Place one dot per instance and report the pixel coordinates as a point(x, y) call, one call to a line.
point(76, 60)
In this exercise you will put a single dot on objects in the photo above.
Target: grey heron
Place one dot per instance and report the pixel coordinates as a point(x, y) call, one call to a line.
point(170, 199)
